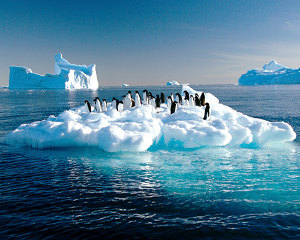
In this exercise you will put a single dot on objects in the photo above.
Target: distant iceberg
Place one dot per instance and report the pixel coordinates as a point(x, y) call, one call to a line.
point(67, 76)
point(125, 85)
point(172, 83)
point(272, 73)
point(141, 128)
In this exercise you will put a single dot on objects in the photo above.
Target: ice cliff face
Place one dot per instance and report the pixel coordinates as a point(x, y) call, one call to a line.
point(272, 73)
point(67, 76)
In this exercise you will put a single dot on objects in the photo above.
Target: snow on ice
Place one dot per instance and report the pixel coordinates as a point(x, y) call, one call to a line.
point(144, 127)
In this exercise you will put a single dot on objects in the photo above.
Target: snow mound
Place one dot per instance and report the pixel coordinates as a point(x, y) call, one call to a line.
point(140, 128)
point(272, 73)
point(67, 76)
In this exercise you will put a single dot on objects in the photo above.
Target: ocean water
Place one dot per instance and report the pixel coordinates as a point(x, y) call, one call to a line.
point(209, 193)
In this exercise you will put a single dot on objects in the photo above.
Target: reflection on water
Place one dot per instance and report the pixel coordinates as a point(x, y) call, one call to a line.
point(213, 193)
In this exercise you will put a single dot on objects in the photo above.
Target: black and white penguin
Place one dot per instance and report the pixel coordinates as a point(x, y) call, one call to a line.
point(192, 100)
point(157, 101)
point(169, 102)
point(152, 101)
point(206, 111)
point(137, 98)
point(172, 97)
point(197, 100)
point(120, 107)
point(145, 97)
point(162, 98)
point(202, 99)
point(97, 104)
point(104, 105)
point(88, 105)
point(173, 107)
point(115, 103)
point(127, 102)
point(178, 98)
point(186, 95)
point(186, 102)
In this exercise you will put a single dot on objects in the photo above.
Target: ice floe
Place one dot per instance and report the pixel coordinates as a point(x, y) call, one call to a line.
point(143, 127)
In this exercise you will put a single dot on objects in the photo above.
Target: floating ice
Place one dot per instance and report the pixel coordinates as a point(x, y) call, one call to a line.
point(139, 128)
point(272, 73)
point(67, 76)
point(172, 83)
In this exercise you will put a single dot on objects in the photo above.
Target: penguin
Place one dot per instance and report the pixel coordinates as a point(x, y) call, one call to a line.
point(115, 103)
point(178, 98)
point(88, 105)
point(197, 100)
point(172, 97)
point(186, 102)
point(132, 103)
point(120, 106)
point(152, 101)
point(186, 95)
point(145, 97)
point(206, 111)
point(173, 107)
point(98, 104)
point(137, 98)
point(169, 103)
point(127, 103)
point(157, 101)
point(123, 98)
point(202, 99)
point(104, 105)
point(162, 98)
point(192, 101)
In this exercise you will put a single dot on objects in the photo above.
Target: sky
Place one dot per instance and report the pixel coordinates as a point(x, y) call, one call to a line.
point(150, 42)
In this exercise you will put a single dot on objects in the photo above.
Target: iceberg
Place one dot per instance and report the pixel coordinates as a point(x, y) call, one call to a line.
point(172, 83)
point(272, 73)
point(67, 76)
point(141, 128)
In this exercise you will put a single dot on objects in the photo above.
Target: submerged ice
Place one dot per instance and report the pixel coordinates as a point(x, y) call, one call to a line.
point(144, 127)
point(67, 76)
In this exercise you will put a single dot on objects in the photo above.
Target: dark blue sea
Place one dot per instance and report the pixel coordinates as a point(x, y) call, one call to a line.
point(208, 193)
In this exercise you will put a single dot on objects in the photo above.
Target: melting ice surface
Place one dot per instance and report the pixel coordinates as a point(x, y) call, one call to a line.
point(141, 128)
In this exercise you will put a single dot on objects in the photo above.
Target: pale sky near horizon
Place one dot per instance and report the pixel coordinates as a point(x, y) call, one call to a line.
point(151, 42)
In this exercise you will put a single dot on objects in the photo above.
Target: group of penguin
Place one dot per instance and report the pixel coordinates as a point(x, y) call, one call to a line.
point(149, 99)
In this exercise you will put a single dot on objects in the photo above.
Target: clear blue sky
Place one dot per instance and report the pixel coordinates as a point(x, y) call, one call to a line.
point(151, 42)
